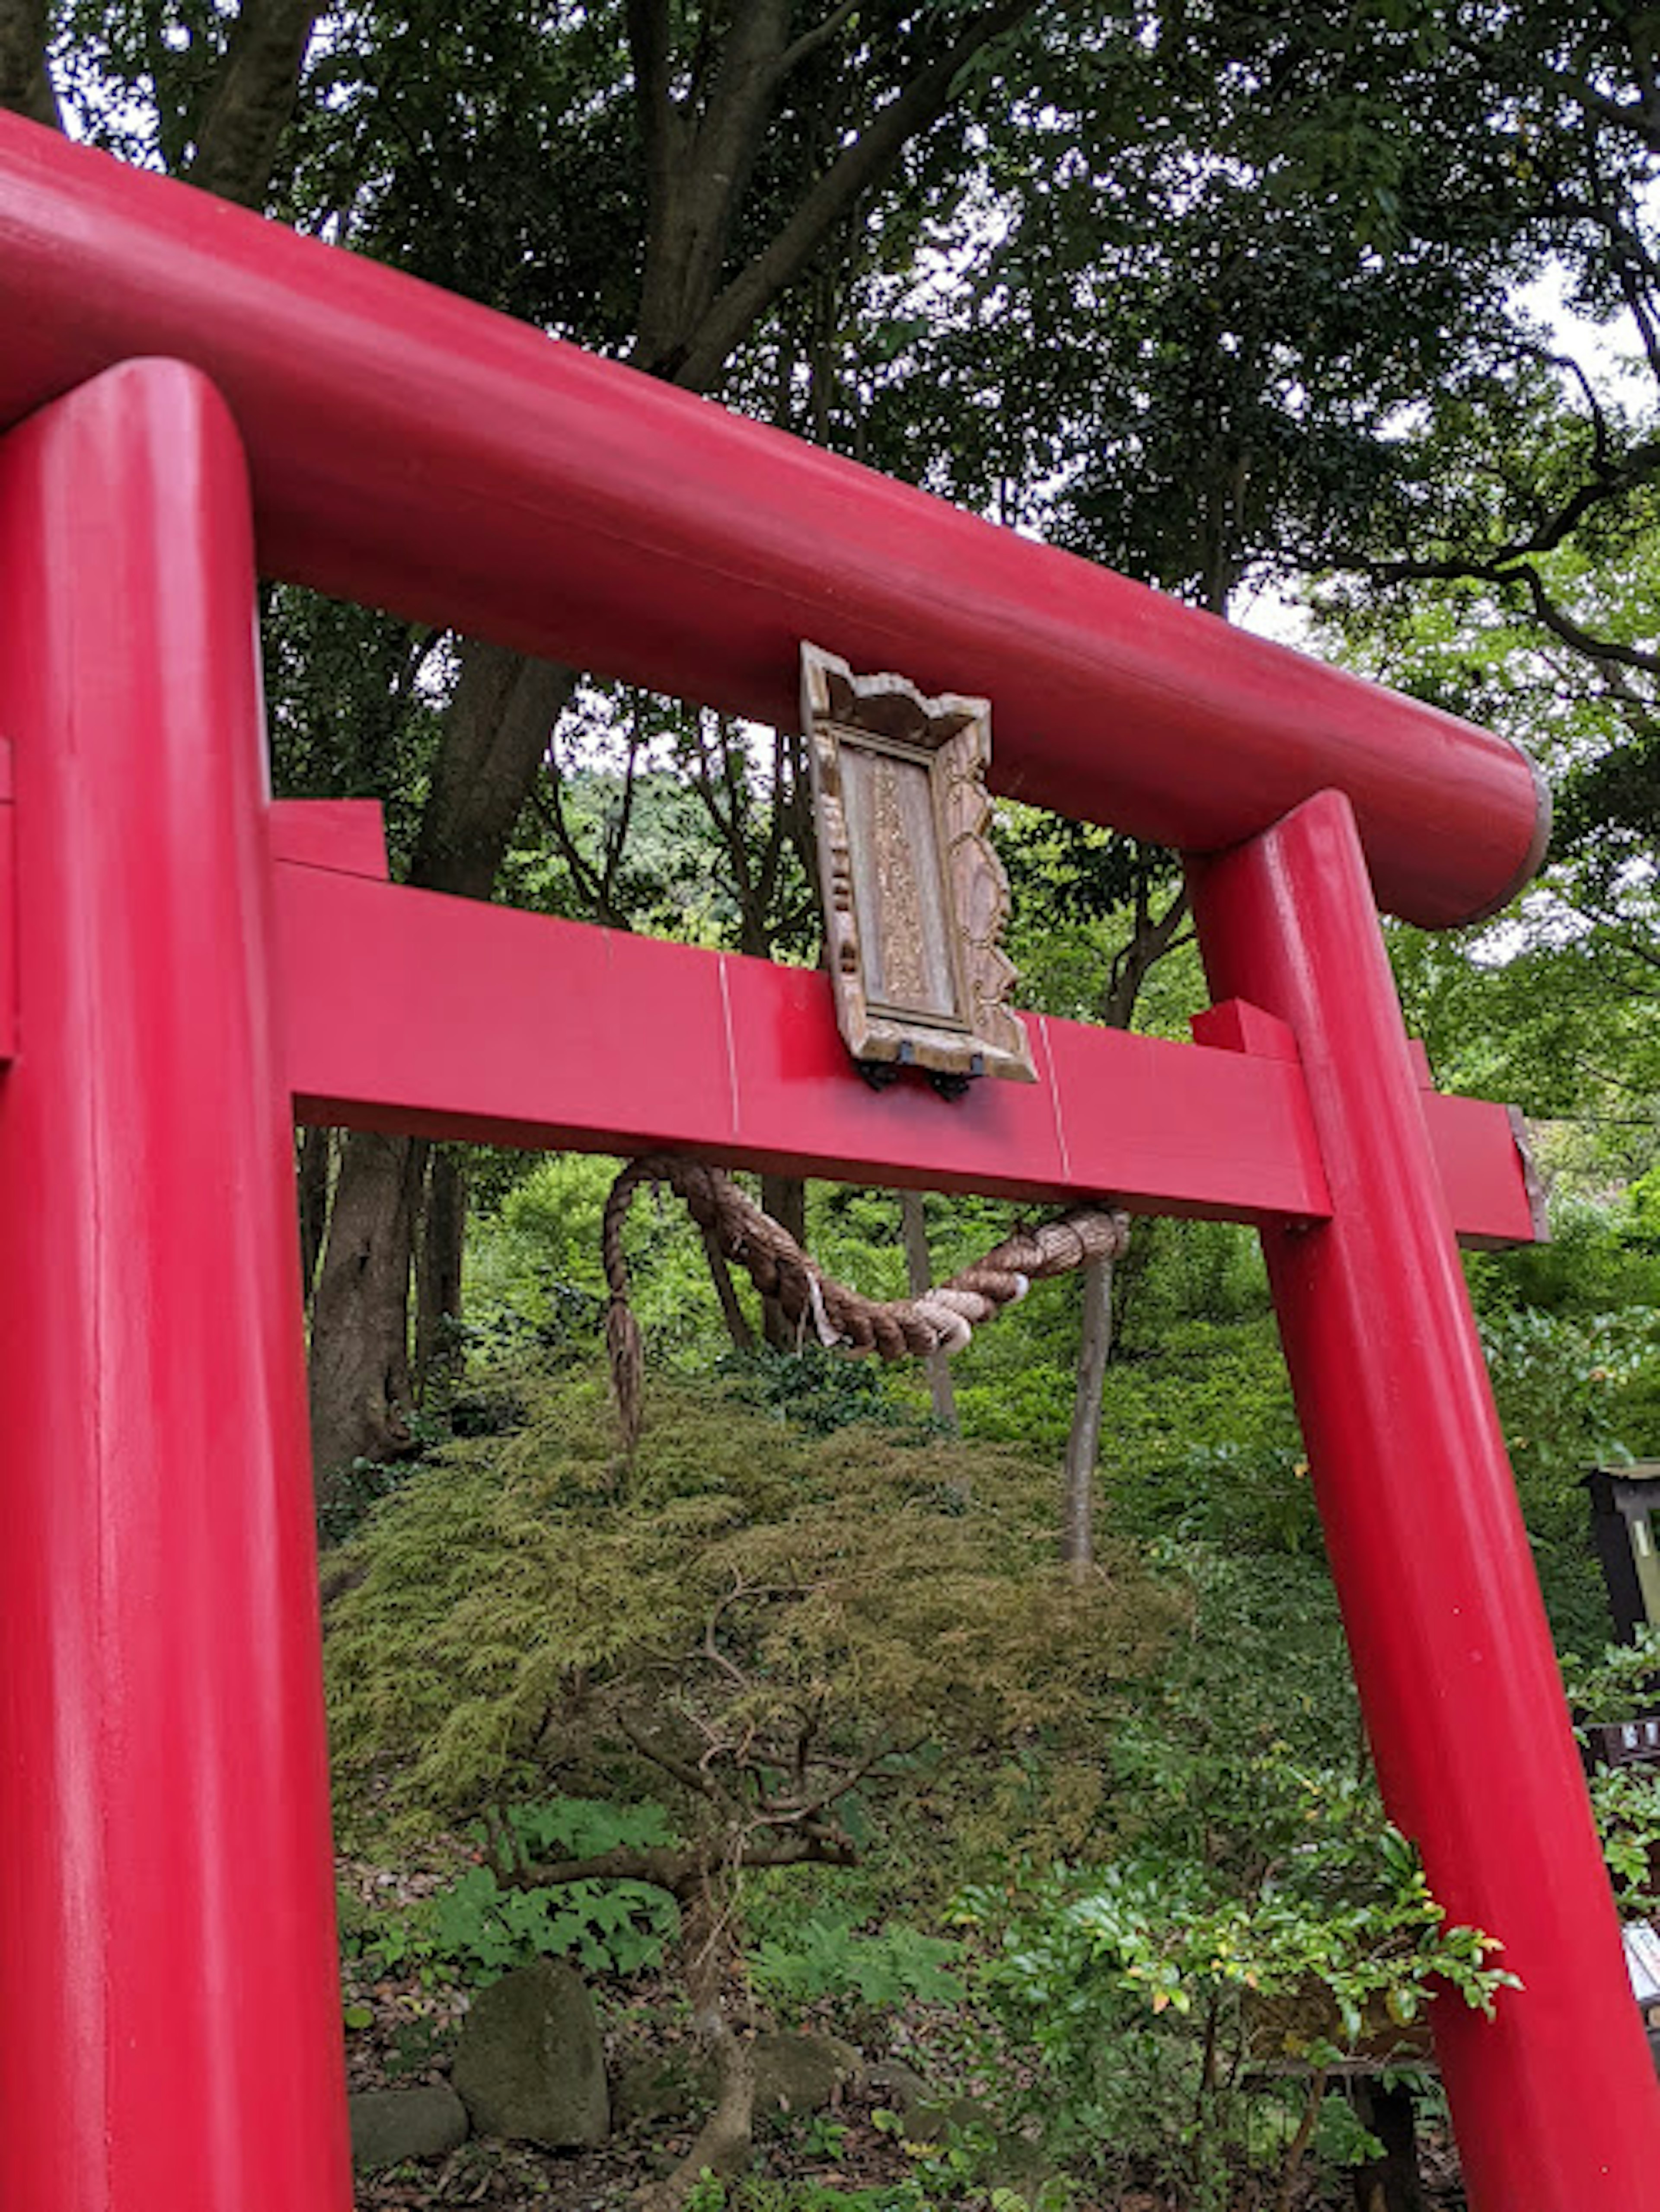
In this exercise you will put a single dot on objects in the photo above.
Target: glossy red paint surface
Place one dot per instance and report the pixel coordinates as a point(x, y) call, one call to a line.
point(171, 2039)
point(1555, 2102)
point(7, 909)
point(414, 451)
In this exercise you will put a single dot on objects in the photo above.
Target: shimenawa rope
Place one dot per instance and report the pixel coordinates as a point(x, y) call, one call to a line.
point(941, 1320)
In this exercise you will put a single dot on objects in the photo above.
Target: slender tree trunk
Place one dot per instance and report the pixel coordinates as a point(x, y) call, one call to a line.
point(919, 1275)
point(316, 1155)
point(1152, 939)
point(438, 1275)
point(1393, 2183)
point(737, 1321)
point(784, 1197)
point(496, 735)
point(1083, 1442)
point(359, 1370)
point(725, 2143)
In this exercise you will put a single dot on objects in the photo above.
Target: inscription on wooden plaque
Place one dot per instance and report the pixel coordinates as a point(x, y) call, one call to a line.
point(914, 896)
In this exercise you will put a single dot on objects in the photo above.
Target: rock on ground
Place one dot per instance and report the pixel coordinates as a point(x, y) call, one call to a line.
point(529, 2064)
point(389, 2125)
point(802, 2073)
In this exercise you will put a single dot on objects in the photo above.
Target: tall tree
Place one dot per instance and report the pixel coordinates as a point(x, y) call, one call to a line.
point(757, 135)
point(648, 178)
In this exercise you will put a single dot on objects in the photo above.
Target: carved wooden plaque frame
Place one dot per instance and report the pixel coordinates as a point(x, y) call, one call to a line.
point(914, 896)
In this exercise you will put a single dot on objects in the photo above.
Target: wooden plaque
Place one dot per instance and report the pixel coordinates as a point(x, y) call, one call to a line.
point(914, 896)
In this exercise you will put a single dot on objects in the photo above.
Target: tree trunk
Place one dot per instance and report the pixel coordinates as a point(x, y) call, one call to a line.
point(725, 2143)
point(496, 736)
point(1393, 2183)
point(252, 100)
point(737, 1321)
point(361, 1398)
point(437, 1276)
point(784, 1197)
point(316, 1158)
point(919, 1276)
point(1084, 1443)
point(1153, 937)
point(25, 84)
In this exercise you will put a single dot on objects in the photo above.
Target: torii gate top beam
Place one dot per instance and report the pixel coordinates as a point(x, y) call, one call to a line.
point(415, 452)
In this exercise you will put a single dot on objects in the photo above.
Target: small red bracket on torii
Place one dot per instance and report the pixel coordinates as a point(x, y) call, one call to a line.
point(186, 392)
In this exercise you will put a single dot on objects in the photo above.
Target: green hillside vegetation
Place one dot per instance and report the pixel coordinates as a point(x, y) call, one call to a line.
point(815, 1669)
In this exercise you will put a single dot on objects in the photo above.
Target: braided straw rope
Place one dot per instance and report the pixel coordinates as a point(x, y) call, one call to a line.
point(942, 1319)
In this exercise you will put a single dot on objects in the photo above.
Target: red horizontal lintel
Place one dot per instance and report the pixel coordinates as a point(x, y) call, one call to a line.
point(410, 1011)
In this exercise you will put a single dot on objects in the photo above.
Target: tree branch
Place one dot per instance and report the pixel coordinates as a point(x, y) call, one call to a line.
point(1641, 115)
point(696, 1779)
point(251, 99)
point(25, 85)
point(649, 49)
point(854, 170)
point(1583, 641)
point(811, 41)
point(790, 1812)
point(616, 831)
point(699, 154)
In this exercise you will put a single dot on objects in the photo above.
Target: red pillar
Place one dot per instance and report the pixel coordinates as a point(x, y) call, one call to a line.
point(1554, 2101)
point(169, 2019)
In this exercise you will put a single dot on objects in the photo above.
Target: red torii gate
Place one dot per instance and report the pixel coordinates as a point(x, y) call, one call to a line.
point(183, 963)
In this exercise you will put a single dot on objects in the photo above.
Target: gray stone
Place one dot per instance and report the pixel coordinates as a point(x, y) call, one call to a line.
point(389, 2125)
point(530, 2065)
point(902, 2090)
point(802, 2073)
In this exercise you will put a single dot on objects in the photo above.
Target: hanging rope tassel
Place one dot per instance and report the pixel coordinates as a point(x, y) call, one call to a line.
point(943, 1319)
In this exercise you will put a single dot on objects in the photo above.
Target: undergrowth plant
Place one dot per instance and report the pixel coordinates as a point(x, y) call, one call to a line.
point(786, 1640)
point(1156, 2001)
point(1621, 1682)
point(828, 1958)
point(478, 1926)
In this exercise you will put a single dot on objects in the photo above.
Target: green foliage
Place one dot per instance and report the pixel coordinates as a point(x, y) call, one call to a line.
point(1346, 1924)
point(1599, 1259)
point(524, 1833)
point(607, 1928)
point(818, 1391)
point(1617, 1682)
point(1252, 1724)
point(1621, 1682)
point(353, 1490)
point(1575, 1390)
point(758, 2194)
point(1253, 1893)
point(1626, 1801)
point(479, 1926)
point(534, 1260)
point(1142, 1988)
point(516, 1602)
point(829, 1958)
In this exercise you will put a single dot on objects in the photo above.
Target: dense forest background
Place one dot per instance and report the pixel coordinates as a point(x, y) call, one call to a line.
point(997, 1718)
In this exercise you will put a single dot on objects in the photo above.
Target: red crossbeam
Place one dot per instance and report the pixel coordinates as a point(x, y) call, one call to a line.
point(446, 1017)
point(413, 451)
